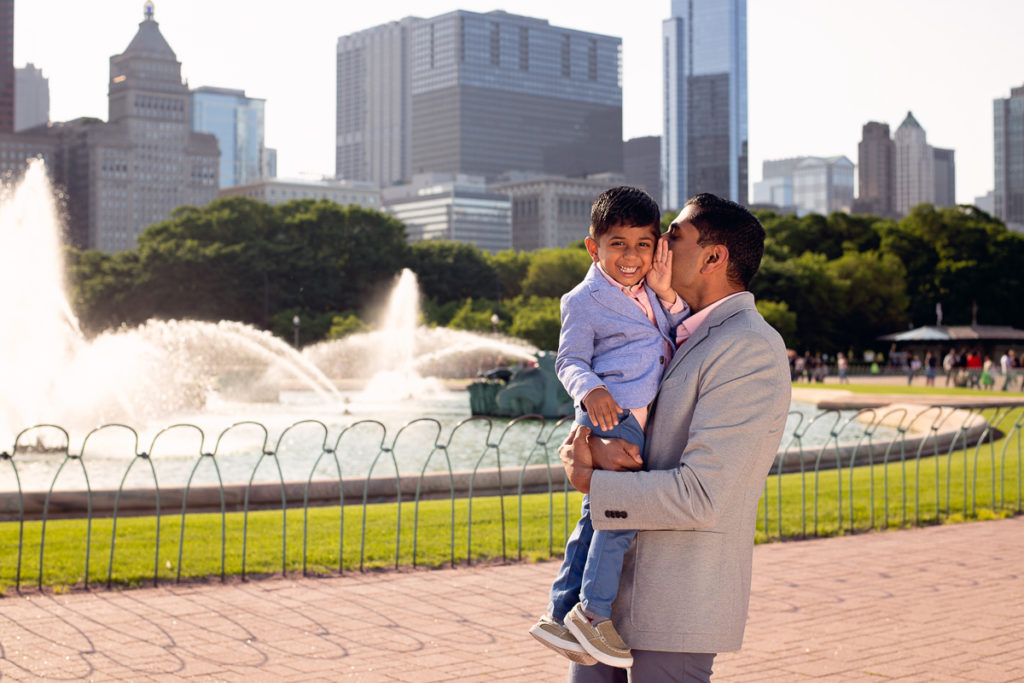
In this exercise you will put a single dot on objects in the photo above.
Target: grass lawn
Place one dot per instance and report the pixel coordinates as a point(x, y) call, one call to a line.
point(976, 483)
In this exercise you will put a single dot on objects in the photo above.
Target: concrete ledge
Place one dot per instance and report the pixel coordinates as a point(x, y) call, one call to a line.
point(435, 485)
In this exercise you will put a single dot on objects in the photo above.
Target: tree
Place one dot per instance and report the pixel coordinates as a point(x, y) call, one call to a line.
point(536, 320)
point(875, 297)
point(510, 267)
point(810, 291)
point(553, 272)
point(474, 314)
point(778, 315)
point(451, 271)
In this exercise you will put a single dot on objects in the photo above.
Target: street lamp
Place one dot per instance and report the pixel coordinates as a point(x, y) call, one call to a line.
point(295, 322)
point(494, 322)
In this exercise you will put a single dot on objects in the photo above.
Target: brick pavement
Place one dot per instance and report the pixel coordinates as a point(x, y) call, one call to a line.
point(936, 604)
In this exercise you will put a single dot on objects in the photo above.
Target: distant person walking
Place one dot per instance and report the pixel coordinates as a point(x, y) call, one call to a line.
point(931, 364)
point(1006, 365)
point(842, 367)
point(913, 365)
point(949, 366)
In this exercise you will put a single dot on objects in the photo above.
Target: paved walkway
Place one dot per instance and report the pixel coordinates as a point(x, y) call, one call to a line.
point(936, 604)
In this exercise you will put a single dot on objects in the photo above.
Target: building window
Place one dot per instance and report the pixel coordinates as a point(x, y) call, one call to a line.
point(566, 57)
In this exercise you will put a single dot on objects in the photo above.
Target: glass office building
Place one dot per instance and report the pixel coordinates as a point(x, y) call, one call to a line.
point(478, 94)
point(237, 123)
point(1009, 157)
point(704, 145)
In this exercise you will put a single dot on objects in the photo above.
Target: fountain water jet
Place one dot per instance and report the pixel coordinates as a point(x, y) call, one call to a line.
point(161, 370)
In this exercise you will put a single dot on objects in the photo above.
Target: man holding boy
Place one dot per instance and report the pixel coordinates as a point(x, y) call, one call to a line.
point(711, 438)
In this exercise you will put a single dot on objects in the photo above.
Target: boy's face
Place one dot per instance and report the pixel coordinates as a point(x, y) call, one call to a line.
point(625, 252)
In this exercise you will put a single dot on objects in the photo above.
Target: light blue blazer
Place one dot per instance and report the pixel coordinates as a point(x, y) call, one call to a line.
point(607, 340)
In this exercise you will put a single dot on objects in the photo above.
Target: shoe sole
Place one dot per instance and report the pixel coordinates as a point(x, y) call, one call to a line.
point(562, 647)
point(603, 657)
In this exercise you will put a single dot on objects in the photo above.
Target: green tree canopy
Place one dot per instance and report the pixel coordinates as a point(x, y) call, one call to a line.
point(553, 272)
point(452, 271)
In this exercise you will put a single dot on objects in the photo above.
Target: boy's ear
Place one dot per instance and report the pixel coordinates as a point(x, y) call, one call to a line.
point(591, 248)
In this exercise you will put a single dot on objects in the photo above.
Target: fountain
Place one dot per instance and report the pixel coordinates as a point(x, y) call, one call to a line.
point(203, 373)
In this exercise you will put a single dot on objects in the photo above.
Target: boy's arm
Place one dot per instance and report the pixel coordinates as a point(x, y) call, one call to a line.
point(576, 352)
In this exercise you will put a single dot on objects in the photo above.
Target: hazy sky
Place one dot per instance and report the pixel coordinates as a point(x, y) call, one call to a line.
point(818, 69)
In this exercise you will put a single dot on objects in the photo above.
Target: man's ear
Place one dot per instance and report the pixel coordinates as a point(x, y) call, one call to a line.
point(716, 258)
point(591, 248)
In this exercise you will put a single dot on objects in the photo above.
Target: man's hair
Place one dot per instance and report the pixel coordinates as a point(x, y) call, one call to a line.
point(721, 221)
point(624, 205)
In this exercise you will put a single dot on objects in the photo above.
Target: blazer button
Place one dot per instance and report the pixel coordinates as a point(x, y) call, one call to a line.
point(661, 360)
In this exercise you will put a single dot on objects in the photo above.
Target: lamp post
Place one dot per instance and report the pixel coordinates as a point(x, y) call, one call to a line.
point(494, 322)
point(295, 322)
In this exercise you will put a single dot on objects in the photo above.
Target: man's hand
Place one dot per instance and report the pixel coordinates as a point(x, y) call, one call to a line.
point(581, 455)
point(615, 455)
point(602, 408)
point(659, 277)
point(576, 458)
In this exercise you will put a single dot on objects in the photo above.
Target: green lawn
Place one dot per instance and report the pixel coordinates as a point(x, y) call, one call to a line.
point(976, 483)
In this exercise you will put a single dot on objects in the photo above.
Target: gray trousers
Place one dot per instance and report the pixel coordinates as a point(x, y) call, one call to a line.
point(650, 666)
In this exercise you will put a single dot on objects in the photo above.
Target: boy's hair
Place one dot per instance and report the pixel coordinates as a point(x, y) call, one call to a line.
point(624, 205)
point(721, 221)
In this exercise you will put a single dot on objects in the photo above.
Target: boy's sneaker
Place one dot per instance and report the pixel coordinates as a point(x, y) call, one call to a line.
point(601, 641)
point(549, 632)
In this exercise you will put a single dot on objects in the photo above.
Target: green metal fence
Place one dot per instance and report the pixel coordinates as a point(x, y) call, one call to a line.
point(943, 462)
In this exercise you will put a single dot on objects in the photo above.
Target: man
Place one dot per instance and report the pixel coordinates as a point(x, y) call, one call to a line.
point(712, 436)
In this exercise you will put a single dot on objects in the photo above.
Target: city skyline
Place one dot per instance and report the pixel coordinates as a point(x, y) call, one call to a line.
point(817, 71)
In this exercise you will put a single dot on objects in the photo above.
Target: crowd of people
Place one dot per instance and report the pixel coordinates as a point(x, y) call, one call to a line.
point(972, 368)
point(961, 368)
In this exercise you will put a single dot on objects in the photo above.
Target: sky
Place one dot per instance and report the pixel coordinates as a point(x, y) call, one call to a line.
point(817, 69)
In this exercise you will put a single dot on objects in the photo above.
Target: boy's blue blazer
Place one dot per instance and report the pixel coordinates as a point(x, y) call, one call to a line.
point(607, 340)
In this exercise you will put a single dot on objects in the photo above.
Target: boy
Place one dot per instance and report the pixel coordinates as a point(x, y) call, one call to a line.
point(615, 342)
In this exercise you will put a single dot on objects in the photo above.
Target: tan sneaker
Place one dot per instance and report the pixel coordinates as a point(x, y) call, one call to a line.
point(549, 632)
point(602, 641)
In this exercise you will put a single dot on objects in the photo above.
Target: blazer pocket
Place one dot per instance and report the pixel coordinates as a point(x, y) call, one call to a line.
point(680, 581)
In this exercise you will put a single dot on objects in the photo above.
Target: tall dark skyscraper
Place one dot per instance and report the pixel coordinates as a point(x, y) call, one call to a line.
point(478, 94)
point(704, 145)
point(1009, 156)
point(6, 66)
point(875, 171)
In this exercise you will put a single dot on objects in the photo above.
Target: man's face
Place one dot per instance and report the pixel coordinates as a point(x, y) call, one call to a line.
point(687, 256)
point(625, 252)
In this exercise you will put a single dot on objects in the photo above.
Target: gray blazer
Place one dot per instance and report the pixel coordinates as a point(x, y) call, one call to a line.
point(716, 425)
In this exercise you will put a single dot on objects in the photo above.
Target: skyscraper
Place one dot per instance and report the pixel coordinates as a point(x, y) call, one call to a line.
point(31, 97)
point(875, 171)
point(122, 176)
point(823, 185)
point(477, 94)
point(373, 122)
point(914, 167)
point(641, 164)
point(6, 66)
point(704, 145)
point(1009, 156)
point(237, 122)
point(945, 177)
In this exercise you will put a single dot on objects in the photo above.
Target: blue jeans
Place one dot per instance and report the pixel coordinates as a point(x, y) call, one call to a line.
point(592, 565)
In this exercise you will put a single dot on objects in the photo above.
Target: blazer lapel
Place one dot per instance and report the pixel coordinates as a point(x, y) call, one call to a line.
point(612, 297)
point(715, 318)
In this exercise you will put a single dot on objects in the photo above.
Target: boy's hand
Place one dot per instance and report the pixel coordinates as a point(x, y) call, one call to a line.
point(659, 277)
point(602, 408)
